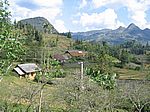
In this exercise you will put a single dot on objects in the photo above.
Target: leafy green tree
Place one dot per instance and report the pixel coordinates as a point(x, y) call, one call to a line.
point(102, 72)
point(69, 35)
point(125, 57)
point(47, 28)
point(10, 45)
point(38, 36)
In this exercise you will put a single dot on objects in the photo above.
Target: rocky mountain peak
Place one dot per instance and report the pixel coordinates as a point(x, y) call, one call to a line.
point(132, 26)
point(121, 28)
point(117, 36)
point(40, 23)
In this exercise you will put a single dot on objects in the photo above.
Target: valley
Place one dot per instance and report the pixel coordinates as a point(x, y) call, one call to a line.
point(43, 70)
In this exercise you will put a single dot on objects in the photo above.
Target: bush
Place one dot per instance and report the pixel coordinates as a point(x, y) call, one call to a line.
point(106, 80)
point(146, 108)
point(137, 68)
point(148, 77)
point(59, 73)
point(13, 107)
point(119, 65)
point(124, 104)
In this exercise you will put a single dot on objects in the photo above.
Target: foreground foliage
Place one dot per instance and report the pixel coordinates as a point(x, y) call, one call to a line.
point(106, 80)
point(11, 46)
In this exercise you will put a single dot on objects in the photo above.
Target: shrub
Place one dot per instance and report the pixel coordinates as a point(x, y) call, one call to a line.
point(106, 80)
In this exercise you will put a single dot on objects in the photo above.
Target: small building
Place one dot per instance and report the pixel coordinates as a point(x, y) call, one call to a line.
point(27, 70)
point(133, 66)
point(60, 58)
point(76, 53)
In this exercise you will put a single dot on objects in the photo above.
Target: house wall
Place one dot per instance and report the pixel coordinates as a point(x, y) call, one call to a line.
point(32, 76)
point(68, 55)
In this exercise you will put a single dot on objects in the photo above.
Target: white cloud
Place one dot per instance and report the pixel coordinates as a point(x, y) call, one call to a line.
point(50, 9)
point(83, 4)
point(137, 8)
point(49, 3)
point(46, 8)
point(106, 19)
point(19, 13)
point(109, 3)
point(100, 3)
point(49, 13)
point(138, 11)
point(75, 22)
point(59, 25)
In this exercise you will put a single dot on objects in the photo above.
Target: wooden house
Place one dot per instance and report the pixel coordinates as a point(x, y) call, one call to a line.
point(75, 53)
point(27, 70)
point(60, 58)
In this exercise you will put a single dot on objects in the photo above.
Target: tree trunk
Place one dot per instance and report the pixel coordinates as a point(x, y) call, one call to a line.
point(40, 103)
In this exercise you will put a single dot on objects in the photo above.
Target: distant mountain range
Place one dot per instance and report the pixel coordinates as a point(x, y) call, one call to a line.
point(41, 24)
point(117, 36)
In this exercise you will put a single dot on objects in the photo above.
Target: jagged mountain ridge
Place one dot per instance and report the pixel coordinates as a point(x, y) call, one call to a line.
point(117, 36)
point(38, 23)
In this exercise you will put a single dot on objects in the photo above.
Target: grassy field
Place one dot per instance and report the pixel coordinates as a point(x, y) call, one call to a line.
point(16, 90)
point(62, 44)
point(130, 74)
point(122, 72)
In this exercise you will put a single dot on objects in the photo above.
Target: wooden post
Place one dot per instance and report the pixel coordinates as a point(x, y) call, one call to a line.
point(81, 70)
point(40, 103)
point(81, 76)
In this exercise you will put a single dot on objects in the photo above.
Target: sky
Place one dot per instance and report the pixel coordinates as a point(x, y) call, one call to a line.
point(84, 15)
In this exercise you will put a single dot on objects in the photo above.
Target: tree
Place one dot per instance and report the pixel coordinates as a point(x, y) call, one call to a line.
point(15, 24)
point(125, 57)
point(38, 36)
point(47, 28)
point(136, 92)
point(10, 45)
point(69, 35)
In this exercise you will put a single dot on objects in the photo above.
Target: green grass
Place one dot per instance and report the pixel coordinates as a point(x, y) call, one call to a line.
point(12, 88)
point(130, 74)
point(62, 45)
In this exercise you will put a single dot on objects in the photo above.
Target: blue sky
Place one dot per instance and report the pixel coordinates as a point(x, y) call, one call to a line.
point(84, 15)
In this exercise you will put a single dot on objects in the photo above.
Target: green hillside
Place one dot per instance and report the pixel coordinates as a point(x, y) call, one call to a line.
point(63, 43)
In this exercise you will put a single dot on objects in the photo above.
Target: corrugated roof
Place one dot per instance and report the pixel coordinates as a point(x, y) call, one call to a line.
point(29, 67)
point(19, 71)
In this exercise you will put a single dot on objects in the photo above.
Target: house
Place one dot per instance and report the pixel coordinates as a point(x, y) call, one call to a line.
point(27, 70)
point(75, 53)
point(60, 58)
point(133, 66)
